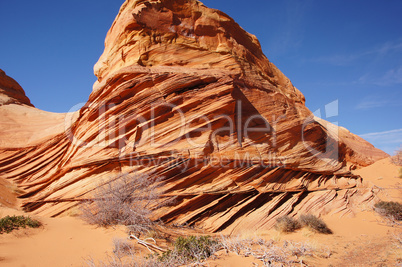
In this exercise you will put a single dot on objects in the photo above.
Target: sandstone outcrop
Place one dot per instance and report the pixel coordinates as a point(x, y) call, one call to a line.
point(184, 93)
point(21, 124)
point(11, 92)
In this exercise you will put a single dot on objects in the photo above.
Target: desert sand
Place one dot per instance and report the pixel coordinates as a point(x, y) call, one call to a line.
point(361, 238)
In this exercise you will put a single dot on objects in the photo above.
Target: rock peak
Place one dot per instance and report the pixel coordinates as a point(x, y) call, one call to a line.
point(185, 34)
point(11, 92)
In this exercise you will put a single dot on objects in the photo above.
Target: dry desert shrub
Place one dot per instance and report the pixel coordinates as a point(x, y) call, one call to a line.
point(194, 250)
point(271, 253)
point(397, 158)
point(287, 224)
point(126, 200)
point(238, 245)
point(314, 223)
point(398, 239)
point(389, 209)
point(191, 249)
point(186, 251)
point(123, 247)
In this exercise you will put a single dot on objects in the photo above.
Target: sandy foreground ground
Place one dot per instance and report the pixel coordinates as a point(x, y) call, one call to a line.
point(60, 242)
point(360, 239)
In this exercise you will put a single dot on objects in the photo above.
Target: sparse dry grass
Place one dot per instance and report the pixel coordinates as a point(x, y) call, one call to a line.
point(185, 251)
point(397, 158)
point(123, 247)
point(398, 239)
point(389, 209)
point(315, 224)
point(190, 249)
point(272, 253)
point(286, 224)
point(194, 250)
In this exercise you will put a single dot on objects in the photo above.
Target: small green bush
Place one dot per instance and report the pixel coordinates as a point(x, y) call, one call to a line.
point(192, 245)
point(10, 223)
point(315, 224)
point(190, 249)
point(389, 209)
point(286, 224)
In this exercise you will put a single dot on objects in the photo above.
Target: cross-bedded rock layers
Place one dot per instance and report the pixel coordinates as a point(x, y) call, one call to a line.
point(184, 93)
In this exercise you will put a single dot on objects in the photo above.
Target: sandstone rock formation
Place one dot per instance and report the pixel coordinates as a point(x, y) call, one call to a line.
point(11, 92)
point(22, 125)
point(184, 93)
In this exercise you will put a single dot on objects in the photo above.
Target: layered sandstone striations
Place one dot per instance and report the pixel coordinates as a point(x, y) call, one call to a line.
point(11, 92)
point(21, 124)
point(184, 93)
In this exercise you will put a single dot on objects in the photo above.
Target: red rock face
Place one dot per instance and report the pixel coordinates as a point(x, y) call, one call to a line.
point(184, 93)
point(11, 92)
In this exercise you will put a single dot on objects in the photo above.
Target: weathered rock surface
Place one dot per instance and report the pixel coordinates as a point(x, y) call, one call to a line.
point(21, 124)
point(11, 92)
point(184, 93)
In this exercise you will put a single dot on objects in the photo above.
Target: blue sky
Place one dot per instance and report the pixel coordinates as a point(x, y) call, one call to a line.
point(349, 51)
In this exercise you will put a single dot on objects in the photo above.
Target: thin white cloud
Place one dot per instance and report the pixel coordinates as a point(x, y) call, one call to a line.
point(386, 137)
point(375, 101)
point(389, 78)
point(371, 104)
point(341, 60)
point(387, 48)
point(388, 141)
point(397, 131)
point(292, 28)
point(393, 76)
point(338, 60)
